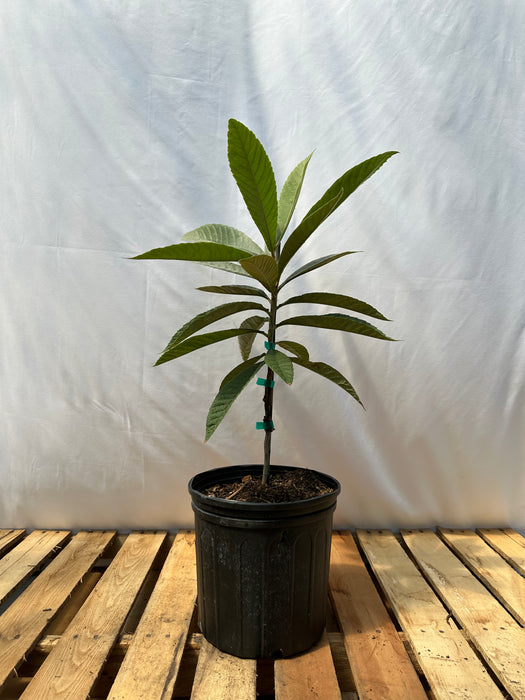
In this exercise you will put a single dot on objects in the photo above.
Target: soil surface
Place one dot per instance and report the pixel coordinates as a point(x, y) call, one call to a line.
point(288, 486)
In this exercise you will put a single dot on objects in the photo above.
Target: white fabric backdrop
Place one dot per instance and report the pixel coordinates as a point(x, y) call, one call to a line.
point(113, 141)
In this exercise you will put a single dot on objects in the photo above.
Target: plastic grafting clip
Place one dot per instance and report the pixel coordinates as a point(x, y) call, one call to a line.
point(265, 382)
point(269, 346)
point(265, 425)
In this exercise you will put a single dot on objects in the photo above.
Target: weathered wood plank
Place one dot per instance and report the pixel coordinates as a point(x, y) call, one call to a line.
point(501, 579)
point(24, 621)
point(8, 538)
point(449, 664)
point(73, 666)
point(509, 543)
point(307, 676)
point(151, 665)
point(494, 632)
point(20, 562)
point(378, 659)
point(220, 676)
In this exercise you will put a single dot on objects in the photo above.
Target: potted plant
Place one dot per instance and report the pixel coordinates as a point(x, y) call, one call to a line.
point(262, 559)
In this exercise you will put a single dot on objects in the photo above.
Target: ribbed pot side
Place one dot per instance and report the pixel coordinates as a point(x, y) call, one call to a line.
point(262, 568)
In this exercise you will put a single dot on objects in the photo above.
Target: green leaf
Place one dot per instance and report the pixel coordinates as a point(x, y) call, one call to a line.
point(225, 235)
point(210, 316)
point(226, 267)
point(281, 364)
point(296, 348)
point(202, 251)
point(240, 289)
point(254, 176)
point(305, 229)
point(236, 370)
point(350, 181)
point(199, 341)
point(263, 268)
point(314, 264)
point(227, 395)
point(330, 373)
point(339, 322)
point(289, 196)
point(340, 300)
point(254, 323)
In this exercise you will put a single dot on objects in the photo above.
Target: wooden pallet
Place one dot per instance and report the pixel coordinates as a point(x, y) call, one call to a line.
point(417, 615)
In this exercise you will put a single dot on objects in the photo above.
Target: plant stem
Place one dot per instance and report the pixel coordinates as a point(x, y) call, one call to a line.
point(268, 393)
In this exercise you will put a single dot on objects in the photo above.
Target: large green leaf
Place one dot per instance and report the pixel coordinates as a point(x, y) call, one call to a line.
point(339, 322)
point(235, 268)
point(226, 235)
point(254, 176)
point(281, 365)
point(296, 348)
point(240, 289)
point(289, 196)
point(199, 341)
point(350, 181)
point(254, 323)
point(305, 229)
point(340, 300)
point(263, 268)
point(227, 395)
point(314, 264)
point(330, 373)
point(236, 370)
point(201, 251)
point(210, 316)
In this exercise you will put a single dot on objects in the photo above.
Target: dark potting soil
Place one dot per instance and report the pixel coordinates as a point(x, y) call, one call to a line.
point(284, 487)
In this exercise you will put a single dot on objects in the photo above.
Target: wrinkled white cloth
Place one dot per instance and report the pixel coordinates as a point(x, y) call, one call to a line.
point(113, 141)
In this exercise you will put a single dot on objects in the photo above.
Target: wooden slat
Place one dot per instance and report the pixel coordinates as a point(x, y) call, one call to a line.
point(8, 538)
point(24, 621)
point(449, 664)
point(151, 665)
point(508, 543)
point(378, 659)
point(494, 632)
point(307, 676)
point(73, 666)
point(20, 562)
point(220, 676)
point(501, 579)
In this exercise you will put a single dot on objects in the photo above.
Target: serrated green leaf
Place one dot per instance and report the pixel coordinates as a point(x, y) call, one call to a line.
point(281, 364)
point(330, 373)
point(227, 395)
point(263, 268)
point(305, 229)
point(254, 176)
point(210, 316)
point(225, 235)
point(201, 251)
point(340, 300)
point(240, 289)
point(352, 179)
point(296, 348)
point(199, 341)
point(254, 323)
point(236, 370)
point(225, 267)
point(338, 322)
point(289, 196)
point(314, 264)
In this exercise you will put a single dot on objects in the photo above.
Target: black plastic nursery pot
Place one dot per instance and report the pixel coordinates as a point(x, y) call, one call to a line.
point(262, 568)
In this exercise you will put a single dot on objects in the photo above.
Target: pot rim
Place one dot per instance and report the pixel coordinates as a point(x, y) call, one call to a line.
point(233, 472)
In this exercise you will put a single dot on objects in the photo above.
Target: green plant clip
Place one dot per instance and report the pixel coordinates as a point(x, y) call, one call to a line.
point(269, 346)
point(265, 425)
point(265, 382)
